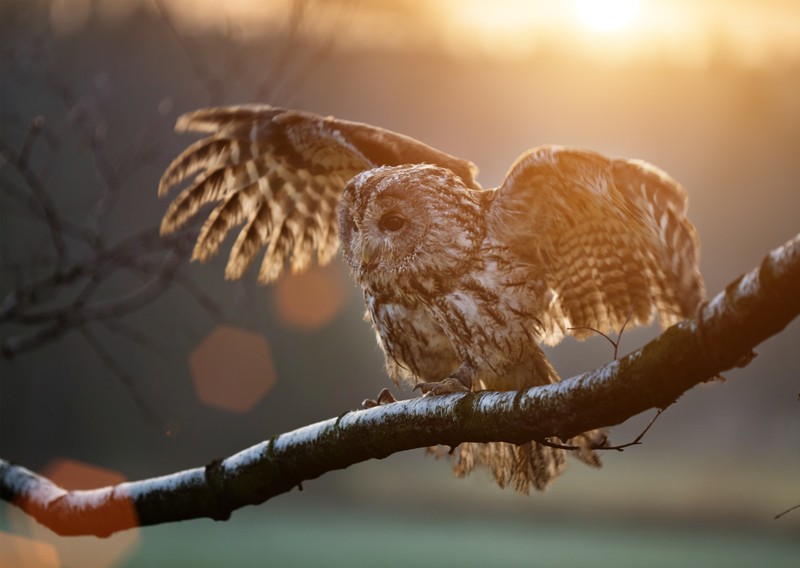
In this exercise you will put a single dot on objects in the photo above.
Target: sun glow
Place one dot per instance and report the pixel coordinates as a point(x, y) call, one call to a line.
point(606, 15)
point(683, 32)
point(502, 16)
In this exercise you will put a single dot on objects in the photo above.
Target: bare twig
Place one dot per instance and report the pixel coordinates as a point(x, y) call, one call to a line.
point(42, 196)
point(212, 84)
point(135, 336)
point(37, 124)
point(124, 377)
point(266, 89)
point(638, 439)
point(291, 82)
point(613, 342)
point(201, 298)
point(69, 229)
point(60, 320)
point(787, 511)
point(128, 252)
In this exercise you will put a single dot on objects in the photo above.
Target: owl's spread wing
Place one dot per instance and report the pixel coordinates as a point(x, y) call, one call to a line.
point(280, 173)
point(609, 238)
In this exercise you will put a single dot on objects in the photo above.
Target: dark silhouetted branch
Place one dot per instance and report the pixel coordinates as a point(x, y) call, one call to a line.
point(129, 382)
point(40, 192)
point(754, 307)
point(20, 307)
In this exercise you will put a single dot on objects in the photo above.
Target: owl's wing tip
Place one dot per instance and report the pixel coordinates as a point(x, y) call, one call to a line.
point(234, 270)
point(186, 122)
point(164, 185)
point(166, 227)
point(212, 119)
point(200, 253)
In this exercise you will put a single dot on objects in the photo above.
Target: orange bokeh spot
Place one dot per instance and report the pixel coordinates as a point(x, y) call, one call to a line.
point(20, 551)
point(72, 475)
point(313, 299)
point(232, 368)
point(88, 551)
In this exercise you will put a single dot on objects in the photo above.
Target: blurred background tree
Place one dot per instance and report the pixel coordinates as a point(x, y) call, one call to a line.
point(108, 334)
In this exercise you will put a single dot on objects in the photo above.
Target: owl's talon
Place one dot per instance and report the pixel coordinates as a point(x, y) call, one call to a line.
point(446, 386)
point(384, 397)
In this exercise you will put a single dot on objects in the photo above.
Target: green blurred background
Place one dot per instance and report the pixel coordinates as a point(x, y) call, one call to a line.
point(707, 90)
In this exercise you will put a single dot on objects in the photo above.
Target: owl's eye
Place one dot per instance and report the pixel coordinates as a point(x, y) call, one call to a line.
point(391, 222)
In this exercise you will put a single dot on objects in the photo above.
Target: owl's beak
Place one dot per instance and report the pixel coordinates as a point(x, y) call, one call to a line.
point(366, 254)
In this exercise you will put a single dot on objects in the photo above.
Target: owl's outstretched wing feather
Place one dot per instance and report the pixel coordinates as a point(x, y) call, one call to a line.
point(280, 173)
point(609, 238)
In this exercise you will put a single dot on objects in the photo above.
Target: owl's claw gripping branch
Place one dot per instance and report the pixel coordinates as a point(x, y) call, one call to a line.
point(384, 397)
point(447, 386)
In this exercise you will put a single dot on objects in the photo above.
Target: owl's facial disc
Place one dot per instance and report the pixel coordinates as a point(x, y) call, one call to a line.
point(397, 221)
point(392, 232)
point(389, 222)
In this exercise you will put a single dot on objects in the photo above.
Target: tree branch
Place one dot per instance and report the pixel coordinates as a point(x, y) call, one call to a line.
point(754, 307)
point(41, 194)
point(57, 321)
point(213, 86)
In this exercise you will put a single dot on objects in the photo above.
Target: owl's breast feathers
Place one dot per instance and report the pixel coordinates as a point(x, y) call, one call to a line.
point(414, 344)
point(487, 318)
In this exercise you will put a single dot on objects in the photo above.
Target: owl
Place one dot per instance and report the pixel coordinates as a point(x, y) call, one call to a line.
point(462, 285)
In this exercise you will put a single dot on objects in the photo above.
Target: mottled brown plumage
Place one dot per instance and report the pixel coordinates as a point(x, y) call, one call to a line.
point(461, 284)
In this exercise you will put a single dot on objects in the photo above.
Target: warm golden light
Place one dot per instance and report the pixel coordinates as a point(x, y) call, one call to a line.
point(606, 15)
point(501, 15)
point(683, 32)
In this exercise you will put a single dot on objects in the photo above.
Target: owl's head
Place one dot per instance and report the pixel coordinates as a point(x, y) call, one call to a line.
point(414, 221)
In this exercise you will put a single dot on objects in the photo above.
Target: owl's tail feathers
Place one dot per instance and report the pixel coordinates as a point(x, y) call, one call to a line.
point(524, 465)
point(586, 444)
point(520, 466)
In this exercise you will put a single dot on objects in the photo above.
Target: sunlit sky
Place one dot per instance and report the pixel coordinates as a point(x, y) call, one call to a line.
point(690, 32)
